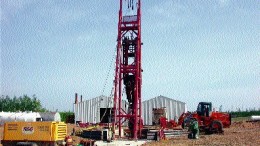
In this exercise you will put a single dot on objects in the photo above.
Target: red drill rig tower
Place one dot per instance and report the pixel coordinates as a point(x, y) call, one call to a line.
point(128, 72)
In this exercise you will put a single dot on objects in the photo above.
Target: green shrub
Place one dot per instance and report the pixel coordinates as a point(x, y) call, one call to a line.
point(65, 115)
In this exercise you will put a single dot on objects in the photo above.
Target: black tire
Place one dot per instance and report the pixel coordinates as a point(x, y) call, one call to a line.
point(229, 120)
point(190, 136)
point(157, 136)
point(26, 144)
point(216, 127)
point(8, 143)
point(182, 125)
point(54, 144)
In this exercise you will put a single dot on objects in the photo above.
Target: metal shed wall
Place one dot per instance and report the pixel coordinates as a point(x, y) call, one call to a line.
point(89, 110)
point(174, 108)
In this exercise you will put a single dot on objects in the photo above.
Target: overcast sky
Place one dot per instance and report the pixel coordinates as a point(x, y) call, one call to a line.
point(193, 51)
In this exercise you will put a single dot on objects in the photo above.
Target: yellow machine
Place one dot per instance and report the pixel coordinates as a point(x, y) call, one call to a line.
point(34, 133)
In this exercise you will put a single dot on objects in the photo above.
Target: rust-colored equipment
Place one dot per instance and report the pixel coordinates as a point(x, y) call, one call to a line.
point(158, 113)
point(209, 121)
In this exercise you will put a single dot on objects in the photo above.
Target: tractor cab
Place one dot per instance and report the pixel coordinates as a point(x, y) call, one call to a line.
point(204, 109)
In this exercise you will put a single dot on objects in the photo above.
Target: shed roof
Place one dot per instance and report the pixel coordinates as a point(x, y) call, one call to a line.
point(160, 97)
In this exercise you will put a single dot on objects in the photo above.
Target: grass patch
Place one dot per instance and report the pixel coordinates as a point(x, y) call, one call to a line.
point(238, 119)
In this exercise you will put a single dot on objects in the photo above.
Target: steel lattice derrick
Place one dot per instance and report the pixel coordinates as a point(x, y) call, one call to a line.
point(128, 68)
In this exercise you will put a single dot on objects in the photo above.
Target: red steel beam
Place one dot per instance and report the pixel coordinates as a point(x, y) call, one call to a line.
point(127, 73)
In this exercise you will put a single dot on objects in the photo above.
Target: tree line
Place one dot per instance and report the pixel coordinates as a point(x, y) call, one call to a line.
point(22, 103)
point(245, 113)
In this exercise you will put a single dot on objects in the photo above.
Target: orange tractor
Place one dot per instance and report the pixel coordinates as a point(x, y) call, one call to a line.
point(208, 120)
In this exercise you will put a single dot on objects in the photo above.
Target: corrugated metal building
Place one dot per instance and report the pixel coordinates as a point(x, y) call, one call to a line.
point(96, 109)
point(174, 108)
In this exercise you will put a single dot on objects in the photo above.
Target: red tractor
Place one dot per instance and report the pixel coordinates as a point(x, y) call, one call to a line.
point(209, 121)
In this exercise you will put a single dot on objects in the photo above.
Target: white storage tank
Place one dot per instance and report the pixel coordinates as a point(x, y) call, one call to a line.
point(18, 116)
point(29, 117)
point(50, 116)
point(255, 118)
point(4, 116)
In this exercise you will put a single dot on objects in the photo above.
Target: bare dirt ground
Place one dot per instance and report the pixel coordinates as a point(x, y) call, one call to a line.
point(240, 133)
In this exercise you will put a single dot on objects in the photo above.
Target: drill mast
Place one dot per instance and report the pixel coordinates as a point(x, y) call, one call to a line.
point(128, 68)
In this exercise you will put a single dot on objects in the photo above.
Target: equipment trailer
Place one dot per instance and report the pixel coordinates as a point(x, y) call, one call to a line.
point(34, 133)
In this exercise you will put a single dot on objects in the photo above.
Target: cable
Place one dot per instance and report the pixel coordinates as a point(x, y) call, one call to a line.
point(111, 63)
point(103, 90)
point(110, 101)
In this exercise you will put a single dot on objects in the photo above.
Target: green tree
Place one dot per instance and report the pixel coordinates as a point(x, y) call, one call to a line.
point(23, 103)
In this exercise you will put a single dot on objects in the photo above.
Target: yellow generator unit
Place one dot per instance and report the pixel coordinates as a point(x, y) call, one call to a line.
point(34, 133)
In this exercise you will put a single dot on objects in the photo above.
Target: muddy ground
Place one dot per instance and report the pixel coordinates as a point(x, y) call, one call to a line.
point(240, 133)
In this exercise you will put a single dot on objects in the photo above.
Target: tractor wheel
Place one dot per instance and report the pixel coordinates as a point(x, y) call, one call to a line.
point(216, 127)
point(182, 125)
point(157, 138)
point(26, 144)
